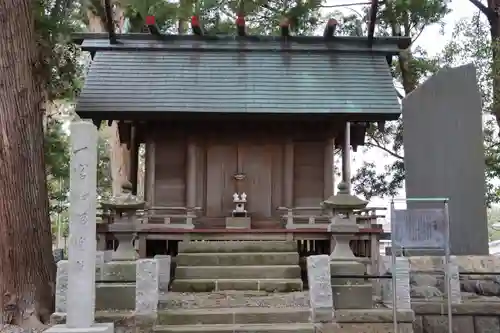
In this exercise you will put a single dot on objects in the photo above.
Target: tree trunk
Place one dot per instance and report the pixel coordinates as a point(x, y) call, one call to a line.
point(119, 155)
point(491, 11)
point(27, 269)
point(495, 63)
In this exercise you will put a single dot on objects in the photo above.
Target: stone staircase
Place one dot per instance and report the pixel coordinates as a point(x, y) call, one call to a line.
point(236, 286)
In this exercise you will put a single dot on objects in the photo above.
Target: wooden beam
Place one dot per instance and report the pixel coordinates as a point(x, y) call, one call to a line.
point(110, 26)
point(328, 176)
point(149, 189)
point(134, 158)
point(288, 174)
point(373, 19)
point(191, 174)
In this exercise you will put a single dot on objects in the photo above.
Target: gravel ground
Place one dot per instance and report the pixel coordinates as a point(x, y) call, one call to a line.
point(17, 329)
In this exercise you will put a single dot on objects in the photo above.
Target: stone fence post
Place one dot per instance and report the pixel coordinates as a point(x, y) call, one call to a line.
point(320, 288)
point(401, 272)
point(147, 287)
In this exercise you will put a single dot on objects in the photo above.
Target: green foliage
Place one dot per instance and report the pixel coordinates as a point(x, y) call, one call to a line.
point(218, 16)
point(410, 17)
point(405, 18)
point(57, 162)
point(59, 69)
point(493, 218)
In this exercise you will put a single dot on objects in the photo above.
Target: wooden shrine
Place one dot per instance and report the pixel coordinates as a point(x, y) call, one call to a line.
point(239, 131)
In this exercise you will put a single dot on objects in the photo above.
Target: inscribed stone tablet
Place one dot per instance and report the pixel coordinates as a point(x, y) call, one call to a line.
point(318, 275)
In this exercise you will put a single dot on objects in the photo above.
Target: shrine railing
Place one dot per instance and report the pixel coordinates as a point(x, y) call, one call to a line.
point(313, 217)
point(175, 217)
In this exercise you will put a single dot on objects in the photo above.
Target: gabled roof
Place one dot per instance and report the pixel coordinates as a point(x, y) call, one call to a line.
point(234, 75)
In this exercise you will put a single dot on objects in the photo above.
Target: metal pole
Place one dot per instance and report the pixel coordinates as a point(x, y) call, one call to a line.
point(393, 271)
point(346, 157)
point(447, 265)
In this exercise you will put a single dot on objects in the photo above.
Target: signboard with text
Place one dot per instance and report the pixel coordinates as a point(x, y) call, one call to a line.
point(418, 228)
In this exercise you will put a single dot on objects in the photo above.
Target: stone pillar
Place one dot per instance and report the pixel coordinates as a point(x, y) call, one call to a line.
point(320, 288)
point(164, 264)
point(61, 286)
point(82, 225)
point(147, 287)
point(453, 271)
point(349, 291)
point(401, 274)
point(82, 233)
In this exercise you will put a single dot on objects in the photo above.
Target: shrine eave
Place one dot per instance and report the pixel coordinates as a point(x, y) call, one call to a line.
point(94, 42)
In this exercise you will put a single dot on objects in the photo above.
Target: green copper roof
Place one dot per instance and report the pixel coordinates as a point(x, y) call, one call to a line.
point(250, 79)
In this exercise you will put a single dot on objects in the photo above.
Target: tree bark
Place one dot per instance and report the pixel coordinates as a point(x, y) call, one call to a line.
point(27, 269)
point(491, 11)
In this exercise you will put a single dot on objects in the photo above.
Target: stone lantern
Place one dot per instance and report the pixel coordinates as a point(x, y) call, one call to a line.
point(340, 207)
point(124, 209)
point(349, 292)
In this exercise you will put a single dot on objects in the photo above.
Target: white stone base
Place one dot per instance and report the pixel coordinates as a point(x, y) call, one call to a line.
point(306, 226)
point(96, 328)
point(178, 226)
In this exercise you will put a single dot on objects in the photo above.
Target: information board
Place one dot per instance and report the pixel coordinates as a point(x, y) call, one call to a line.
point(418, 228)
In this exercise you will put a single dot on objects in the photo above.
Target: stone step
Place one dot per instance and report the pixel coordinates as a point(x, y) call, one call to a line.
point(209, 285)
point(233, 299)
point(252, 328)
point(237, 246)
point(238, 272)
point(232, 316)
point(237, 259)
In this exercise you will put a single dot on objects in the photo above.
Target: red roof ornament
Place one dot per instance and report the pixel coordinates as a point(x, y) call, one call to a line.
point(150, 20)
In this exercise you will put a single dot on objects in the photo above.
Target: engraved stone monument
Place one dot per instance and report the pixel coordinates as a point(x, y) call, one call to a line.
point(444, 153)
point(81, 264)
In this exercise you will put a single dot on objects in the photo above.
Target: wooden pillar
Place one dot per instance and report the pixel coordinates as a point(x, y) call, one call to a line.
point(288, 174)
point(191, 174)
point(134, 158)
point(328, 178)
point(149, 188)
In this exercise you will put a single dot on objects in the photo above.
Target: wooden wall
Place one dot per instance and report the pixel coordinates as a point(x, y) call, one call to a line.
point(199, 171)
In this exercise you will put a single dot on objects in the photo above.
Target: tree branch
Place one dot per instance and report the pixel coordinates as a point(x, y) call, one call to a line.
point(376, 144)
point(489, 12)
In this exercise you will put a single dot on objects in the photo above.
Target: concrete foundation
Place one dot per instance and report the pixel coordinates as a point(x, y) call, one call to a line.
point(96, 328)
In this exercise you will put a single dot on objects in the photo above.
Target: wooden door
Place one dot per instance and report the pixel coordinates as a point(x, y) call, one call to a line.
point(224, 161)
point(221, 168)
point(255, 163)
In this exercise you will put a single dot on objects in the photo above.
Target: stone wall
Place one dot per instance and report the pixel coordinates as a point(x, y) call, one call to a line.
point(480, 317)
point(426, 284)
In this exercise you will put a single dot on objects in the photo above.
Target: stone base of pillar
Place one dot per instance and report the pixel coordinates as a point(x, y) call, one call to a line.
point(96, 328)
point(350, 293)
point(126, 250)
point(315, 225)
point(238, 223)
